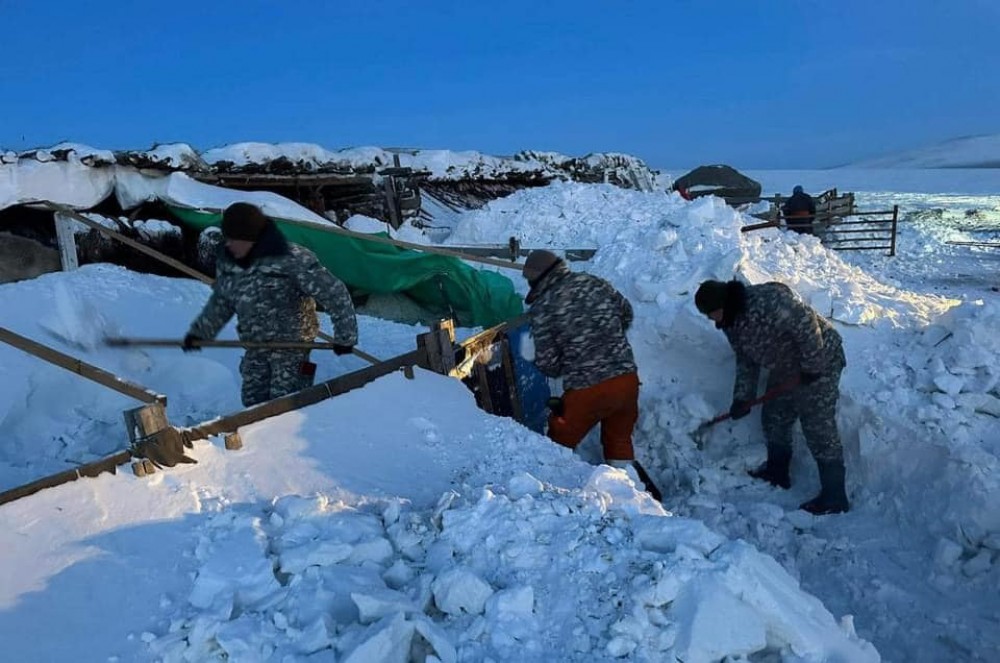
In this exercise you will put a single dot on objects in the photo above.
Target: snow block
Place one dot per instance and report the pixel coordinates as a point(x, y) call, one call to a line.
point(714, 624)
point(388, 641)
point(459, 591)
point(375, 604)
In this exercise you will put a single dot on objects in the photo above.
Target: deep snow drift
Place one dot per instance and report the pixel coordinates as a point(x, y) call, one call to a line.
point(399, 517)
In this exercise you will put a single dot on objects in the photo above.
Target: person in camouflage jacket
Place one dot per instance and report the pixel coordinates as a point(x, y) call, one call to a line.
point(578, 322)
point(272, 287)
point(769, 327)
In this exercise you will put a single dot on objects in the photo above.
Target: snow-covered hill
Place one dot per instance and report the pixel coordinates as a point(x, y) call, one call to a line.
point(965, 152)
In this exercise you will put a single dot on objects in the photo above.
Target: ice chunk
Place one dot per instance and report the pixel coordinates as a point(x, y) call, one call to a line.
point(460, 591)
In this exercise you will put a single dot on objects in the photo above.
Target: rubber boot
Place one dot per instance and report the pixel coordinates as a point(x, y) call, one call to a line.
point(832, 497)
point(775, 469)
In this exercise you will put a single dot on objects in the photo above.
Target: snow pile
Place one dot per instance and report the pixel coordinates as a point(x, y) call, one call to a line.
point(949, 381)
point(168, 156)
point(474, 579)
point(658, 248)
point(273, 156)
point(71, 152)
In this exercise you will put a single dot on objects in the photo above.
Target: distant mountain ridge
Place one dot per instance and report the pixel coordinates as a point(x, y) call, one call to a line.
point(966, 152)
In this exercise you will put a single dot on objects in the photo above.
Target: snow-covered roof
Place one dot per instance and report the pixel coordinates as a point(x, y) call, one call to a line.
point(306, 158)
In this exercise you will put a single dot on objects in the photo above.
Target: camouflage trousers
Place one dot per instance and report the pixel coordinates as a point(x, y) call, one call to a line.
point(271, 374)
point(815, 406)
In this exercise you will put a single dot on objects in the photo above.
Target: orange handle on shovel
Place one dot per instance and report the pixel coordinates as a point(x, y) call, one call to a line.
point(768, 395)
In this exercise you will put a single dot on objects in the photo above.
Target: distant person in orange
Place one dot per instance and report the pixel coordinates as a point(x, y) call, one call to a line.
point(799, 211)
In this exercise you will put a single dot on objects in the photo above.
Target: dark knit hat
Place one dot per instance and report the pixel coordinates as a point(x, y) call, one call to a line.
point(243, 221)
point(538, 263)
point(711, 296)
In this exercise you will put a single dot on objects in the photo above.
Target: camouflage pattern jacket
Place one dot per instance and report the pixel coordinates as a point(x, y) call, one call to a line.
point(770, 327)
point(578, 322)
point(273, 293)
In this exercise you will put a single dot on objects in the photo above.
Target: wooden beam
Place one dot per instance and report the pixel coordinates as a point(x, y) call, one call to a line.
point(504, 251)
point(308, 396)
point(128, 241)
point(153, 253)
point(177, 343)
point(106, 464)
point(270, 179)
point(67, 243)
point(98, 375)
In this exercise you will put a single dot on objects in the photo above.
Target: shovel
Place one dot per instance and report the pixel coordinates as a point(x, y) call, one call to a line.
point(770, 394)
point(118, 342)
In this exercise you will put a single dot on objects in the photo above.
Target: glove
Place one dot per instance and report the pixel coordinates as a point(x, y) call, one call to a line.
point(739, 409)
point(808, 378)
point(189, 343)
point(340, 350)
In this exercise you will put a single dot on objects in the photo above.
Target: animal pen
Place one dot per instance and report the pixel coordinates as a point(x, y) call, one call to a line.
point(837, 223)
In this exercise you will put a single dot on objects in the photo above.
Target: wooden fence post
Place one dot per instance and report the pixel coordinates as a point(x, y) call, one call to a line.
point(438, 344)
point(67, 242)
point(895, 216)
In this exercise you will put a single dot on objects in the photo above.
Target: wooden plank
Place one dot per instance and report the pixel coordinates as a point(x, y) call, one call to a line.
point(487, 336)
point(270, 179)
point(308, 396)
point(128, 241)
point(855, 231)
point(66, 239)
point(337, 230)
point(483, 381)
point(177, 343)
point(861, 248)
point(760, 226)
point(498, 251)
point(895, 217)
point(982, 244)
point(98, 375)
point(153, 253)
point(106, 464)
point(510, 376)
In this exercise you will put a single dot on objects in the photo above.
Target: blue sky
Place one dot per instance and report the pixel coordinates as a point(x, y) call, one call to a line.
point(754, 83)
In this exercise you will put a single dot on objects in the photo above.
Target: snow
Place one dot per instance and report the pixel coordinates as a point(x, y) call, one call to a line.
point(78, 186)
point(65, 182)
point(399, 518)
point(172, 156)
point(307, 155)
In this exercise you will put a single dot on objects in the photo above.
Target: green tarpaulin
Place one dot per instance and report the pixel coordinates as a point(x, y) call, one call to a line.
point(441, 284)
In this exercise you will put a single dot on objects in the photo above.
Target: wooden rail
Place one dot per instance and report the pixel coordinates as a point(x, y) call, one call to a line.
point(83, 369)
point(167, 260)
point(308, 396)
point(231, 422)
point(106, 464)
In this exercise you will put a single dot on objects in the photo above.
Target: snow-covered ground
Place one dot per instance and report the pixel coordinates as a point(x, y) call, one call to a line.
point(399, 518)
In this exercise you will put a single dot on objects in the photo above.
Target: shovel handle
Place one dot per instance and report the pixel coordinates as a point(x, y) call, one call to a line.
point(768, 395)
point(176, 343)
